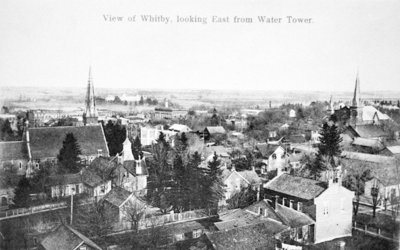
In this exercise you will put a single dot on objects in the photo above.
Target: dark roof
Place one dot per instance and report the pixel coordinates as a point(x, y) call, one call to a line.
point(297, 138)
point(286, 215)
point(66, 238)
point(250, 176)
point(370, 143)
point(293, 218)
point(65, 179)
point(117, 196)
point(370, 131)
point(163, 109)
point(13, 150)
point(296, 186)
point(91, 179)
point(236, 218)
point(266, 149)
point(265, 206)
point(247, 237)
point(47, 141)
point(103, 165)
point(215, 130)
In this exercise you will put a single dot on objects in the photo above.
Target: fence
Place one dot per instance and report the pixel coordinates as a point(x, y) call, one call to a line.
point(375, 231)
point(31, 210)
point(41, 208)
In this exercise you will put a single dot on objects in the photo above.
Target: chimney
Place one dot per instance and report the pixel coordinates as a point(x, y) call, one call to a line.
point(300, 206)
point(139, 166)
point(276, 201)
point(291, 204)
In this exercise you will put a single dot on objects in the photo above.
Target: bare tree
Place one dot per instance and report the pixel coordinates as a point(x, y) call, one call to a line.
point(376, 197)
point(355, 181)
point(134, 211)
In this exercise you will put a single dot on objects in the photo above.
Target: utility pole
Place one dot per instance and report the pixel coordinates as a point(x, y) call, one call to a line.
point(72, 204)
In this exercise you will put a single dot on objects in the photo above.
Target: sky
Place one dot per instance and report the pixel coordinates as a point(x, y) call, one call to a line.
point(53, 43)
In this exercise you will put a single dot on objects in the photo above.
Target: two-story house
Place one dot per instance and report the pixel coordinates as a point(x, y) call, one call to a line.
point(236, 180)
point(328, 204)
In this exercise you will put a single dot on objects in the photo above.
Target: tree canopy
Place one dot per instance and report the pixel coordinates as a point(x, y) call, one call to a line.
point(68, 157)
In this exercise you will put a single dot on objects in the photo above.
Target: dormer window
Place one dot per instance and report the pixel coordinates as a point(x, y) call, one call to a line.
point(99, 152)
point(274, 156)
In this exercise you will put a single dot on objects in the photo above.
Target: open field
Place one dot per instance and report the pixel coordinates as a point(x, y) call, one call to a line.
point(73, 98)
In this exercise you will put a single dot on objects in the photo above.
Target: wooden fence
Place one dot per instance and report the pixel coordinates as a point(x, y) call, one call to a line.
point(375, 231)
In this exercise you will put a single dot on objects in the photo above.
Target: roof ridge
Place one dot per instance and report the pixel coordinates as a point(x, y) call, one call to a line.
point(10, 142)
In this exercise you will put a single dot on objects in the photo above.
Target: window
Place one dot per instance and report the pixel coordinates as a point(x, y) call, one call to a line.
point(274, 156)
point(325, 210)
point(260, 211)
point(34, 241)
point(77, 188)
point(20, 165)
point(102, 189)
point(197, 233)
point(300, 233)
point(37, 165)
point(178, 237)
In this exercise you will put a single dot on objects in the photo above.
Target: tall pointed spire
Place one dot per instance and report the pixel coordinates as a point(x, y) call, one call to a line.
point(356, 98)
point(357, 106)
point(90, 115)
point(331, 109)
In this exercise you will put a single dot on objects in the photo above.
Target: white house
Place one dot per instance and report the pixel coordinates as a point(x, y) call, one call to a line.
point(328, 203)
point(234, 181)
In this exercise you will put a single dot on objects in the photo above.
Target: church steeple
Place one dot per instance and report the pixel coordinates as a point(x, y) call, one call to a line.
point(90, 115)
point(356, 97)
point(331, 109)
point(356, 105)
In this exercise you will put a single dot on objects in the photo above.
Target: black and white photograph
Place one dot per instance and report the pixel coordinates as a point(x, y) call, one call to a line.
point(200, 125)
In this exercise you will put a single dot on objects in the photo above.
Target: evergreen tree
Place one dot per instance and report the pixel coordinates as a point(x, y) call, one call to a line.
point(329, 143)
point(137, 148)
point(160, 175)
point(115, 136)
point(21, 198)
point(180, 194)
point(214, 189)
point(195, 181)
point(69, 155)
